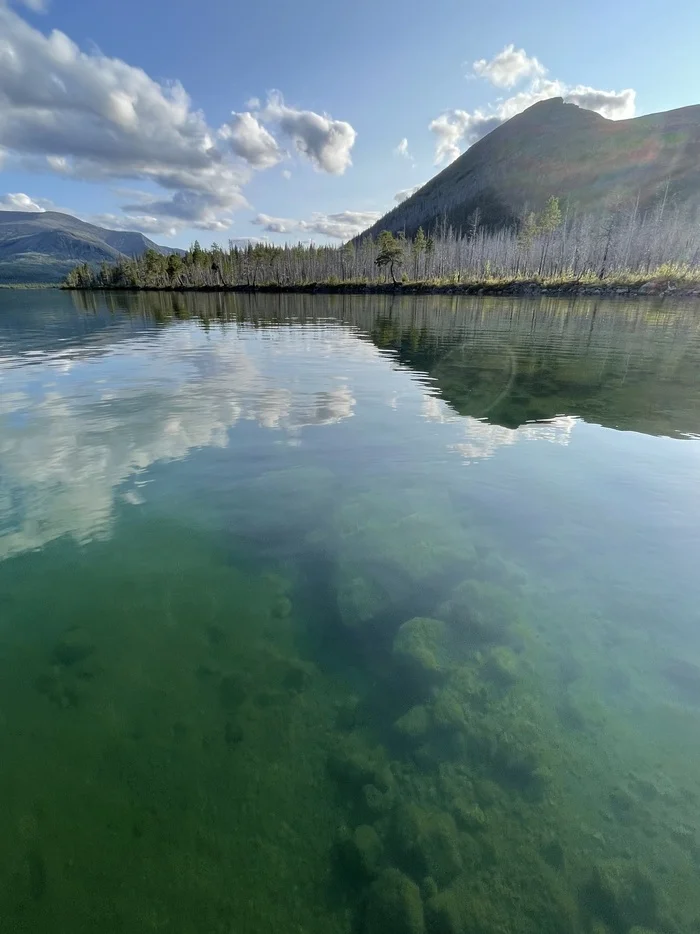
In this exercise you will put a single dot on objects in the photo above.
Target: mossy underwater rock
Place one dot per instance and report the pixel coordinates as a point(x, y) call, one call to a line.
point(355, 765)
point(443, 914)
point(427, 843)
point(500, 666)
point(421, 647)
point(620, 895)
point(414, 724)
point(365, 850)
point(394, 905)
point(482, 611)
point(391, 548)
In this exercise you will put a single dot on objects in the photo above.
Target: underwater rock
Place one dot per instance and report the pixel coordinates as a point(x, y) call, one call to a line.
point(73, 647)
point(482, 611)
point(428, 887)
point(447, 711)
point(394, 905)
point(468, 815)
point(376, 801)
point(443, 914)
point(621, 896)
point(428, 843)
point(501, 666)
point(414, 724)
point(356, 764)
point(391, 548)
point(366, 850)
point(490, 567)
point(422, 647)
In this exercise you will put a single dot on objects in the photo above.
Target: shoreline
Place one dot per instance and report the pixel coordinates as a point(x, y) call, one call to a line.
point(526, 289)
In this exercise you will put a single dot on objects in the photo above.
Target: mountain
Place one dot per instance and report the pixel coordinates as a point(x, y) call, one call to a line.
point(44, 247)
point(553, 148)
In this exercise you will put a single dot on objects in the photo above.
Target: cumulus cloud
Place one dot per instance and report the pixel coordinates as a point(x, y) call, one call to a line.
point(342, 226)
point(615, 105)
point(402, 149)
point(200, 210)
point(85, 115)
point(508, 67)
point(250, 140)
point(449, 128)
point(406, 193)
point(325, 142)
point(145, 223)
point(456, 129)
point(21, 202)
point(286, 174)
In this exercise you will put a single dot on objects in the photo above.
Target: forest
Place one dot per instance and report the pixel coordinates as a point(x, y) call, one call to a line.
point(555, 246)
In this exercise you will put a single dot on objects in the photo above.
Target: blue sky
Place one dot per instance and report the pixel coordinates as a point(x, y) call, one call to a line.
point(218, 120)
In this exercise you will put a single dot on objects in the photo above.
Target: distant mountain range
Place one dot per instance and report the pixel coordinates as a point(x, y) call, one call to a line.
point(559, 149)
point(44, 247)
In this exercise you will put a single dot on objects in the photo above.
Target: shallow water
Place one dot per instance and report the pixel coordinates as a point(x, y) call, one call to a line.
point(349, 614)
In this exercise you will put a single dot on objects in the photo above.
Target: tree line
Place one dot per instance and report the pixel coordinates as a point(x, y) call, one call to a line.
point(554, 244)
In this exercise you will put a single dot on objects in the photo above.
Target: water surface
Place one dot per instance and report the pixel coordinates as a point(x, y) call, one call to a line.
point(349, 614)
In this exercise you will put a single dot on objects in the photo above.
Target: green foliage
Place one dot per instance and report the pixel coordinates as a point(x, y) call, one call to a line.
point(550, 218)
point(390, 252)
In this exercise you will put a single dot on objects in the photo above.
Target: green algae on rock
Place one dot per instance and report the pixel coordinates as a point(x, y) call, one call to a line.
point(394, 905)
point(483, 611)
point(422, 646)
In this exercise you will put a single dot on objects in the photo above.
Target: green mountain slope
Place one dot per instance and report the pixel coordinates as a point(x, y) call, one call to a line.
point(559, 149)
point(44, 247)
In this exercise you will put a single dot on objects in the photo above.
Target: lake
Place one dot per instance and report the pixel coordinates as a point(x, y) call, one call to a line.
point(349, 614)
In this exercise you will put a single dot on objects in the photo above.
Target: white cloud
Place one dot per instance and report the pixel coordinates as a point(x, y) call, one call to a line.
point(325, 142)
point(85, 115)
point(342, 226)
point(145, 223)
point(402, 149)
point(21, 202)
point(280, 225)
point(201, 210)
point(615, 105)
point(286, 174)
point(450, 129)
point(508, 67)
point(458, 129)
point(250, 140)
point(406, 193)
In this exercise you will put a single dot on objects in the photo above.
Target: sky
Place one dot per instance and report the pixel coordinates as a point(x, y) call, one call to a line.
point(301, 121)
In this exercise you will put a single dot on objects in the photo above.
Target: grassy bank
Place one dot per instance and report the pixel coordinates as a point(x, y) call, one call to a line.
point(662, 283)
